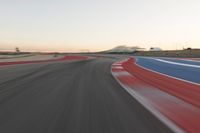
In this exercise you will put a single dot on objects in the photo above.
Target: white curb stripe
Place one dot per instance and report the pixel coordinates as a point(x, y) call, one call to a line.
point(176, 63)
point(149, 107)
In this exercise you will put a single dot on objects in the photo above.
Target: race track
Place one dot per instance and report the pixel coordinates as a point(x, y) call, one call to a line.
point(70, 97)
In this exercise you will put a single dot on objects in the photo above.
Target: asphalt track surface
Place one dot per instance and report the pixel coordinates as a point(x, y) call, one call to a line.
point(70, 97)
point(187, 70)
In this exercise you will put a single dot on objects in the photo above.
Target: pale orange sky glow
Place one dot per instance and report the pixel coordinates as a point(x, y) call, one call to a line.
point(75, 26)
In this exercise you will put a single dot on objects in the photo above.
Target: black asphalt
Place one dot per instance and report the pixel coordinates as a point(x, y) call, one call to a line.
point(70, 97)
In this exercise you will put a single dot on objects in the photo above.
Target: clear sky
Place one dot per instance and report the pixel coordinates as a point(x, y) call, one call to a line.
point(79, 25)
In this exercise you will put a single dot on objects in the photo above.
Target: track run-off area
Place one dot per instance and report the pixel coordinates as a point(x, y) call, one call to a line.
point(167, 87)
point(100, 94)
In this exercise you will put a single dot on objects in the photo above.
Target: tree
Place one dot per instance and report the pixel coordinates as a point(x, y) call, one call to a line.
point(190, 50)
point(17, 50)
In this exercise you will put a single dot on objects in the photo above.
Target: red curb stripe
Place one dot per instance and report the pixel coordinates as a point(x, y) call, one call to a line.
point(176, 100)
point(186, 91)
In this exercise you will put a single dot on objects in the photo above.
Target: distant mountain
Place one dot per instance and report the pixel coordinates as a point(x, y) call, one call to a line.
point(123, 48)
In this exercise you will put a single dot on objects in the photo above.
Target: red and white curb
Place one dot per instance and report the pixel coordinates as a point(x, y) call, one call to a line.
point(179, 115)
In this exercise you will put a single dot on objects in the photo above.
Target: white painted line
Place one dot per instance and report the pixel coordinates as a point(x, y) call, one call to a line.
point(118, 67)
point(176, 63)
point(142, 100)
point(190, 60)
point(150, 108)
point(167, 75)
point(117, 64)
point(123, 73)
